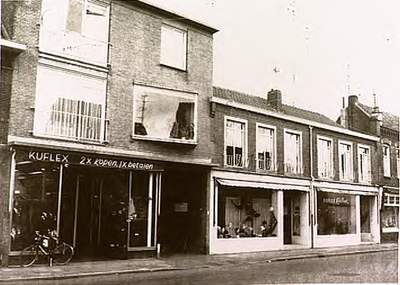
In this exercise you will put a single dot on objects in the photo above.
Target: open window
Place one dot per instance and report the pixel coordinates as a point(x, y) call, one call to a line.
point(164, 114)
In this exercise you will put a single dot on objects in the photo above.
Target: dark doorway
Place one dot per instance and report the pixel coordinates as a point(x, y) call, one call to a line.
point(287, 218)
point(183, 224)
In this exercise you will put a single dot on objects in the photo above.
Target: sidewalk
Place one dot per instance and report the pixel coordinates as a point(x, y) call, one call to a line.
point(178, 262)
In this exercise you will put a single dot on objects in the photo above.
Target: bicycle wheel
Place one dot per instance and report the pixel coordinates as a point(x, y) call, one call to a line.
point(28, 256)
point(62, 254)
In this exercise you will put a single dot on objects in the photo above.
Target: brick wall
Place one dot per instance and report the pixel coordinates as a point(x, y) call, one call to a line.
point(280, 124)
point(135, 37)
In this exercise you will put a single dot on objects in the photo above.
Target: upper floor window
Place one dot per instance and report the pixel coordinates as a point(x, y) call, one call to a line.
point(325, 158)
point(345, 161)
point(77, 28)
point(386, 160)
point(266, 148)
point(398, 162)
point(364, 164)
point(61, 110)
point(235, 142)
point(293, 158)
point(173, 47)
point(164, 114)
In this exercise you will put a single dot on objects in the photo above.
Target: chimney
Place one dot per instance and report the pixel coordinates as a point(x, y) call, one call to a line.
point(274, 98)
point(376, 120)
point(353, 100)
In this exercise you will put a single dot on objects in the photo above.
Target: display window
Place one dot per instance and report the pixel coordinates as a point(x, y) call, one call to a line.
point(390, 213)
point(34, 202)
point(336, 214)
point(246, 213)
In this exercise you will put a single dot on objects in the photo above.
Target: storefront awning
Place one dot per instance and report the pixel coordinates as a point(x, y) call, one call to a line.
point(349, 192)
point(261, 185)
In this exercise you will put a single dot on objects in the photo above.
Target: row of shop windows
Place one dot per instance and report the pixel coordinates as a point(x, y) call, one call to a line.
point(250, 213)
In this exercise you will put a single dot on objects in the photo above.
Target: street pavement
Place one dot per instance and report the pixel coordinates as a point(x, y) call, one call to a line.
point(178, 262)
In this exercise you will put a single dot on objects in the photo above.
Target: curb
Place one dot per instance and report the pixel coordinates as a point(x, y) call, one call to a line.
point(60, 276)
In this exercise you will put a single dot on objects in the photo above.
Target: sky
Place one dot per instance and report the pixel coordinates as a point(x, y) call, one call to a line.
point(316, 52)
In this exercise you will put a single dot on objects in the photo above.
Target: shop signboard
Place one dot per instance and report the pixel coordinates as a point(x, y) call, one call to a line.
point(88, 160)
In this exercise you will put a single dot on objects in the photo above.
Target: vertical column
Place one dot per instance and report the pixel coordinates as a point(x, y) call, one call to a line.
point(280, 213)
point(358, 218)
point(150, 211)
point(60, 181)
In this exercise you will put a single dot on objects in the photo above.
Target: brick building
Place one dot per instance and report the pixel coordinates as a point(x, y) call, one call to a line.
point(105, 127)
point(370, 120)
point(288, 177)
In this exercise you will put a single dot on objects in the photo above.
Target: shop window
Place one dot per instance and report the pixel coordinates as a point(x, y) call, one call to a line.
point(336, 214)
point(78, 28)
point(164, 114)
point(293, 158)
point(235, 143)
point(173, 47)
point(390, 213)
point(364, 164)
point(61, 112)
point(35, 199)
point(266, 148)
point(386, 160)
point(246, 213)
point(325, 158)
point(345, 161)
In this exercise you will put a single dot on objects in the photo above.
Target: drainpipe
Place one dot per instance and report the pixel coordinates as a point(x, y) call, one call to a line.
point(311, 196)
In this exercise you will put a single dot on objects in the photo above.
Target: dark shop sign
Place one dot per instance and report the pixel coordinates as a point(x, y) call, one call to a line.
point(88, 160)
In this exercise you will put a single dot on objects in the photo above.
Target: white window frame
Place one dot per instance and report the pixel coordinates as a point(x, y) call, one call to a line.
point(386, 160)
point(360, 176)
point(300, 166)
point(398, 161)
point(388, 203)
point(273, 166)
point(166, 92)
point(165, 57)
point(350, 172)
point(329, 172)
point(70, 86)
point(245, 148)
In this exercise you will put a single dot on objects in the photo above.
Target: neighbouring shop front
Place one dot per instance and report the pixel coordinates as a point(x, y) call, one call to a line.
point(390, 214)
point(255, 214)
point(346, 216)
point(105, 206)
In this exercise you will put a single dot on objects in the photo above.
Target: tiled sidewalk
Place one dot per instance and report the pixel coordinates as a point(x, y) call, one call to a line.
point(178, 262)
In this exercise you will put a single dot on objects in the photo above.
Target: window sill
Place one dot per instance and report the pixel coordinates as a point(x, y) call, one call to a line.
point(75, 140)
point(173, 67)
point(174, 141)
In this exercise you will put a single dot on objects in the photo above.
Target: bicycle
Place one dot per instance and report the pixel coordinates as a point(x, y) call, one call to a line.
point(60, 253)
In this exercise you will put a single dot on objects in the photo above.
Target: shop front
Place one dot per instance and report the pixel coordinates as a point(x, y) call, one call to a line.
point(103, 206)
point(257, 213)
point(390, 214)
point(346, 216)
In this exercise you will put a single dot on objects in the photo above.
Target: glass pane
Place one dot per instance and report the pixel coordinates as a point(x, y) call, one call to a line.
point(164, 114)
point(138, 209)
point(246, 213)
point(35, 202)
point(390, 217)
point(336, 214)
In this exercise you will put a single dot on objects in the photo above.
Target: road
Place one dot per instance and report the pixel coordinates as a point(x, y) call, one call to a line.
point(378, 267)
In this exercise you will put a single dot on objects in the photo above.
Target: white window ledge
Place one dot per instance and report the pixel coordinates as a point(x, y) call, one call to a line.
point(177, 141)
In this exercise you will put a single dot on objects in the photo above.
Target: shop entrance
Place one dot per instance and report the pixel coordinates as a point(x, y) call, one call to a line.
point(291, 217)
point(366, 203)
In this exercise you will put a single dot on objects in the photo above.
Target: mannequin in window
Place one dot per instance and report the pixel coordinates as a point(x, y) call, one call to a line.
point(272, 222)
